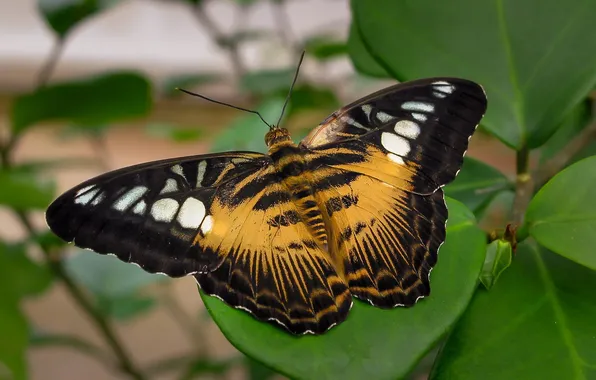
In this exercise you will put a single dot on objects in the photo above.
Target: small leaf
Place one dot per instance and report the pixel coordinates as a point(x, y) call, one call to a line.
point(95, 101)
point(187, 81)
point(307, 97)
point(574, 123)
point(361, 58)
point(267, 82)
point(63, 15)
point(43, 339)
point(477, 184)
point(498, 258)
point(23, 189)
point(562, 215)
point(324, 48)
point(248, 131)
point(534, 72)
point(107, 276)
point(173, 133)
point(372, 343)
point(13, 345)
point(125, 307)
point(20, 277)
point(541, 310)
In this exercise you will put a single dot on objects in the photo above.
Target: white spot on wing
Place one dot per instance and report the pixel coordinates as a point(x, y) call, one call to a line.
point(395, 144)
point(191, 213)
point(384, 117)
point(354, 123)
point(439, 95)
point(170, 186)
point(98, 199)
point(178, 170)
point(444, 87)
point(207, 224)
point(367, 109)
point(202, 167)
point(418, 106)
point(419, 116)
point(140, 208)
point(129, 198)
point(164, 210)
point(395, 158)
point(84, 190)
point(407, 128)
point(85, 197)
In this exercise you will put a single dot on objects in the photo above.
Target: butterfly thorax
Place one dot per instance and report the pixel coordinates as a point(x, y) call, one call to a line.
point(292, 169)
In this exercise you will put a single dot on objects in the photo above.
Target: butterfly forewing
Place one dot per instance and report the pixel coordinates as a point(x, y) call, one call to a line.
point(150, 214)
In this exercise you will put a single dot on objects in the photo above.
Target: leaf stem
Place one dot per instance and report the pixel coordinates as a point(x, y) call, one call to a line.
point(524, 186)
point(50, 63)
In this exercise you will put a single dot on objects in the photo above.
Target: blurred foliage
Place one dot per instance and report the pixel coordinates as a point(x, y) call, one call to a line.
point(536, 301)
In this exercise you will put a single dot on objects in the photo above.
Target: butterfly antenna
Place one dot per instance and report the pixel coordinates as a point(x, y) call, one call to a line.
point(225, 104)
point(291, 88)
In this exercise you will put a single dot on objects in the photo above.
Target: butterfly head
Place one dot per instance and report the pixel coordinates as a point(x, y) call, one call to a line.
point(277, 136)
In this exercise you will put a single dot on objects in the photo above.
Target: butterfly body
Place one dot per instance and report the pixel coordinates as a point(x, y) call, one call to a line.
point(356, 209)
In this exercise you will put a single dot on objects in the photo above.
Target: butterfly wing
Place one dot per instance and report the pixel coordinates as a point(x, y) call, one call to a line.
point(224, 218)
point(379, 165)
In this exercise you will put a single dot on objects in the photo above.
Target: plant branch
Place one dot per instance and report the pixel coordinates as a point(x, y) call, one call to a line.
point(50, 64)
point(558, 161)
point(524, 186)
point(223, 41)
point(284, 27)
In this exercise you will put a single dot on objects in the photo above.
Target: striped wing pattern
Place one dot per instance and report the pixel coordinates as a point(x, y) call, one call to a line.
point(355, 210)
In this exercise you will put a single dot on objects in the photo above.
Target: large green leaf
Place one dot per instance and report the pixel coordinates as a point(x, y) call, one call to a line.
point(477, 184)
point(93, 101)
point(361, 59)
point(324, 48)
point(22, 189)
point(13, 345)
point(536, 323)
point(372, 343)
point(63, 15)
point(562, 216)
point(531, 56)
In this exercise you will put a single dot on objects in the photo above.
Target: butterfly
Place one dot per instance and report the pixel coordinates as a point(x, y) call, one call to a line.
point(356, 209)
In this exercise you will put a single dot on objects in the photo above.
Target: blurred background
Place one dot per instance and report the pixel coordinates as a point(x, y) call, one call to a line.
point(240, 51)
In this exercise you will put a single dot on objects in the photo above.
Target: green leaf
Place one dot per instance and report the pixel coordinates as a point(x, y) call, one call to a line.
point(574, 122)
point(536, 323)
point(248, 131)
point(125, 307)
point(562, 216)
point(324, 48)
point(361, 58)
point(477, 184)
point(308, 97)
point(173, 133)
point(257, 371)
point(372, 343)
point(534, 72)
point(498, 258)
point(63, 15)
point(108, 276)
point(13, 345)
point(93, 101)
point(187, 81)
point(42, 339)
point(19, 276)
point(23, 189)
point(267, 82)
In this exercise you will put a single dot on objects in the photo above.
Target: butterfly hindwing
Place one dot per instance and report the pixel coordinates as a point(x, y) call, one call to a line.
point(379, 164)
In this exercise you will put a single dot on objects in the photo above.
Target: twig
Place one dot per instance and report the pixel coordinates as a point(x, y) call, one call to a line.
point(223, 41)
point(556, 163)
point(524, 186)
point(284, 27)
point(50, 64)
